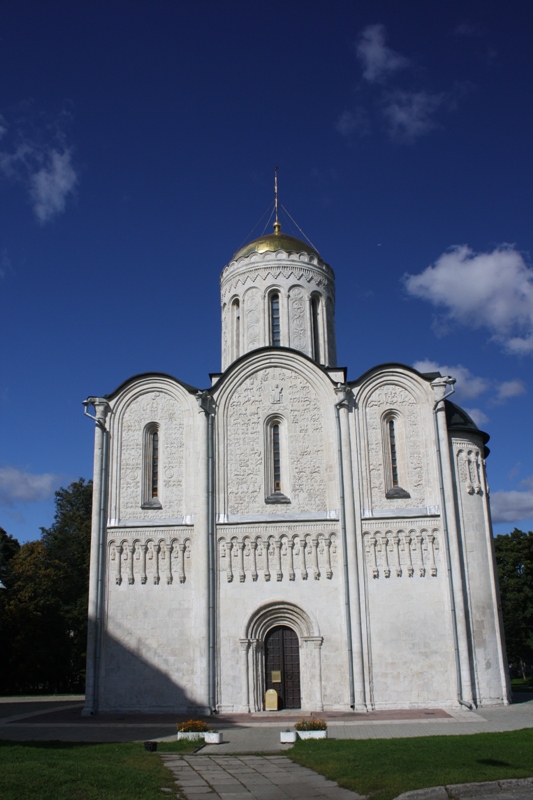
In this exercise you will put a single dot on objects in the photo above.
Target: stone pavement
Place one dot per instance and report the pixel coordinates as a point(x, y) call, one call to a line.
point(250, 778)
point(244, 777)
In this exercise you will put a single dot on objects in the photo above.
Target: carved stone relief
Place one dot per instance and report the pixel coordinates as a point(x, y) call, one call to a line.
point(298, 326)
point(277, 555)
point(252, 311)
point(469, 467)
point(250, 405)
point(148, 557)
point(397, 398)
point(166, 411)
point(404, 552)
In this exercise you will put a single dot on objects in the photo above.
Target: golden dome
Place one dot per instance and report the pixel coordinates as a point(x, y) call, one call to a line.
point(273, 242)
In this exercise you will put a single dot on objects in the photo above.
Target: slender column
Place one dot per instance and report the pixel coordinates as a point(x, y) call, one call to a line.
point(101, 407)
point(456, 574)
point(353, 569)
point(303, 568)
point(253, 551)
point(245, 678)
point(143, 548)
point(156, 549)
point(200, 560)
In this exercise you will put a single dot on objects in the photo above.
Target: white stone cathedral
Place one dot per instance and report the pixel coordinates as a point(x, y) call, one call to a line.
point(288, 529)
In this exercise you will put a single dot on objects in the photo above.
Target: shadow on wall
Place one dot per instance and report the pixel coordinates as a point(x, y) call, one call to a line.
point(131, 681)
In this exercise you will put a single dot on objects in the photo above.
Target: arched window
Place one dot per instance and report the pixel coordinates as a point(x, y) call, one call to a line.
point(275, 324)
point(315, 331)
point(394, 456)
point(276, 461)
point(393, 453)
point(236, 328)
point(151, 467)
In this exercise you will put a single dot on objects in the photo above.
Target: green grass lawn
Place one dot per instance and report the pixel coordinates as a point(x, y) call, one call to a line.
point(384, 768)
point(81, 771)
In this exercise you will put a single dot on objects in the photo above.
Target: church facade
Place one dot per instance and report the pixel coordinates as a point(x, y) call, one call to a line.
point(288, 529)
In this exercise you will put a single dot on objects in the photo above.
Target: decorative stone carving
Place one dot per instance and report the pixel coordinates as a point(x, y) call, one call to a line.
point(165, 410)
point(298, 326)
point(142, 553)
point(469, 467)
point(254, 553)
point(416, 548)
point(249, 407)
point(395, 398)
point(252, 312)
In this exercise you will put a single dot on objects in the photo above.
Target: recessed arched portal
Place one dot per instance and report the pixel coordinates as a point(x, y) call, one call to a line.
point(282, 665)
point(301, 639)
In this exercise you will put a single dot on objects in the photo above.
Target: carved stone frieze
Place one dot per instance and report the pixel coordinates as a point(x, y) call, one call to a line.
point(165, 410)
point(277, 553)
point(148, 557)
point(402, 552)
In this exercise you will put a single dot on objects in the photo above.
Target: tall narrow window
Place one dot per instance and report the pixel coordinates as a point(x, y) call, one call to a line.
point(275, 328)
point(394, 457)
point(315, 337)
point(236, 324)
point(151, 488)
point(393, 454)
point(155, 464)
point(276, 461)
point(276, 458)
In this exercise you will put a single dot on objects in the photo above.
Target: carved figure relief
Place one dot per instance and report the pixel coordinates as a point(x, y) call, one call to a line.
point(401, 552)
point(249, 406)
point(161, 554)
point(165, 410)
point(286, 555)
point(298, 325)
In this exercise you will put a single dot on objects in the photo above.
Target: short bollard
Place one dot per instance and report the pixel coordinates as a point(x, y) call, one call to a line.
point(150, 746)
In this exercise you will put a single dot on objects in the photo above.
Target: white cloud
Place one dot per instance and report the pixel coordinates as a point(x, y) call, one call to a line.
point(513, 506)
point(17, 485)
point(482, 290)
point(43, 165)
point(351, 121)
point(479, 416)
point(378, 60)
point(51, 185)
point(509, 389)
point(468, 385)
point(410, 114)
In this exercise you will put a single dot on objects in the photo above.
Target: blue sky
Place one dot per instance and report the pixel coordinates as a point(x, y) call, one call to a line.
point(137, 147)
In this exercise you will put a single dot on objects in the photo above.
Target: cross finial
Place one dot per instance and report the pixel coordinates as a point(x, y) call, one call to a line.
point(277, 223)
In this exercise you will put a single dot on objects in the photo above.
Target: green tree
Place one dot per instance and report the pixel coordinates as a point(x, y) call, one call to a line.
point(9, 547)
point(514, 558)
point(43, 626)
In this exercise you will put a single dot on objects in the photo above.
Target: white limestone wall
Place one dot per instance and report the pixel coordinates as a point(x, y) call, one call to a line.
point(490, 680)
point(304, 598)
point(154, 653)
point(410, 649)
point(296, 278)
point(151, 661)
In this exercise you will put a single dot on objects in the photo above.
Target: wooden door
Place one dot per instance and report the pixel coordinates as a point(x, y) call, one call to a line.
point(282, 665)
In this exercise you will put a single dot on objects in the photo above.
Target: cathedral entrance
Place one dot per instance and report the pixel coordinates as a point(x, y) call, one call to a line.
point(282, 665)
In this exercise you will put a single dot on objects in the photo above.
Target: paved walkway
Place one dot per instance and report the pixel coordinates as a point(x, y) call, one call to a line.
point(202, 777)
point(250, 778)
